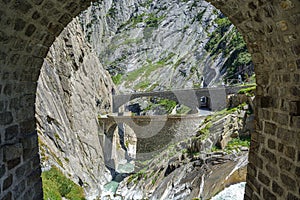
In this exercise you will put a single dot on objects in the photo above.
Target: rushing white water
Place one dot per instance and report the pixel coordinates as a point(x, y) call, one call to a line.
point(233, 192)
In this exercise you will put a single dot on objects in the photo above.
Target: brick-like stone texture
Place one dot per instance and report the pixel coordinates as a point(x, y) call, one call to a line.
point(271, 30)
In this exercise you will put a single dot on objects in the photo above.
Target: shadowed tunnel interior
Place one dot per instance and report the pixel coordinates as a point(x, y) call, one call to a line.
point(271, 30)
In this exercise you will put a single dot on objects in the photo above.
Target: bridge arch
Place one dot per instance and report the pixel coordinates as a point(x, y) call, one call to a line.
point(271, 31)
point(122, 100)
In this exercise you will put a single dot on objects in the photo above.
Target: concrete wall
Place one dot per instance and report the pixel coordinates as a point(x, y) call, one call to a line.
point(271, 30)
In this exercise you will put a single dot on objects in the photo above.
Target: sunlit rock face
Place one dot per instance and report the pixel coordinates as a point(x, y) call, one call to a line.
point(73, 89)
point(168, 44)
point(144, 45)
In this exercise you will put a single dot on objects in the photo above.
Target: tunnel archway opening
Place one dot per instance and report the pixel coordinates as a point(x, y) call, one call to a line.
point(277, 26)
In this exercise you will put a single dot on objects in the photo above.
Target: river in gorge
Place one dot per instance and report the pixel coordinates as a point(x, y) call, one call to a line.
point(233, 192)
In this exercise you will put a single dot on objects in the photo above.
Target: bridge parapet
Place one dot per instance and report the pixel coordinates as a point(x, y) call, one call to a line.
point(188, 97)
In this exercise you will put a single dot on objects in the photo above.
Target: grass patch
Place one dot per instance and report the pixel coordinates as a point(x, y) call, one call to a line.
point(146, 70)
point(248, 91)
point(117, 79)
point(236, 143)
point(169, 105)
point(142, 85)
point(56, 185)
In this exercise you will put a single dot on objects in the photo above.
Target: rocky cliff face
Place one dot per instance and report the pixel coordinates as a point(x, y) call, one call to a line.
point(191, 168)
point(73, 89)
point(158, 45)
point(144, 45)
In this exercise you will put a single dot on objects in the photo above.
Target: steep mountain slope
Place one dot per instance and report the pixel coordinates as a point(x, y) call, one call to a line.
point(73, 90)
point(144, 45)
point(168, 44)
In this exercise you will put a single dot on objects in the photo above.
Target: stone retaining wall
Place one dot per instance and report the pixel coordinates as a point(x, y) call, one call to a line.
point(271, 30)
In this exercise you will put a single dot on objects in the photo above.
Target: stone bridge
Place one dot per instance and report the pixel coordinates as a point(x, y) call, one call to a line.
point(189, 97)
point(153, 133)
point(271, 30)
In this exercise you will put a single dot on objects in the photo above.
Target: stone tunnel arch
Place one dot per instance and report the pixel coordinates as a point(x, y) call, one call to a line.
point(271, 31)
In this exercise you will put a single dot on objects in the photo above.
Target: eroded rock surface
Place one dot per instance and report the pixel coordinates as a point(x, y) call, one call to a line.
point(73, 90)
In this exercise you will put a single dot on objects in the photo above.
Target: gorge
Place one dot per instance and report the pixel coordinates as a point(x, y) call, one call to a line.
point(30, 28)
point(74, 89)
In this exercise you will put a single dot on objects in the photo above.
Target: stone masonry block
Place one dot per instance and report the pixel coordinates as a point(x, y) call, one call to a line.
point(2, 170)
point(290, 152)
point(270, 128)
point(277, 189)
point(19, 24)
point(7, 182)
point(292, 197)
point(280, 147)
point(7, 196)
point(280, 118)
point(253, 158)
point(251, 170)
point(271, 144)
point(19, 189)
point(11, 132)
point(268, 195)
point(12, 152)
point(30, 30)
point(65, 19)
point(27, 127)
point(13, 163)
point(295, 122)
point(34, 177)
point(285, 164)
point(289, 182)
point(268, 155)
point(36, 15)
point(298, 63)
point(6, 118)
point(265, 101)
point(22, 6)
point(297, 172)
point(295, 90)
point(264, 179)
point(287, 136)
point(272, 170)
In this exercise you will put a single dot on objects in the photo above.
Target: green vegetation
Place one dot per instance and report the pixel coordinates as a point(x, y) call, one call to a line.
point(236, 143)
point(183, 110)
point(146, 4)
point(117, 79)
point(137, 176)
point(45, 151)
point(151, 20)
point(153, 86)
point(248, 91)
point(204, 132)
point(216, 42)
point(142, 85)
point(112, 12)
point(56, 186)
point(200, 15)
point(232, 44)
point(146, 70)
point(169, 105)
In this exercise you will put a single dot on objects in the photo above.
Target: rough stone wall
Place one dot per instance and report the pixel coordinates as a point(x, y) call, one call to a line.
point(154, 133)
point(271, 30)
